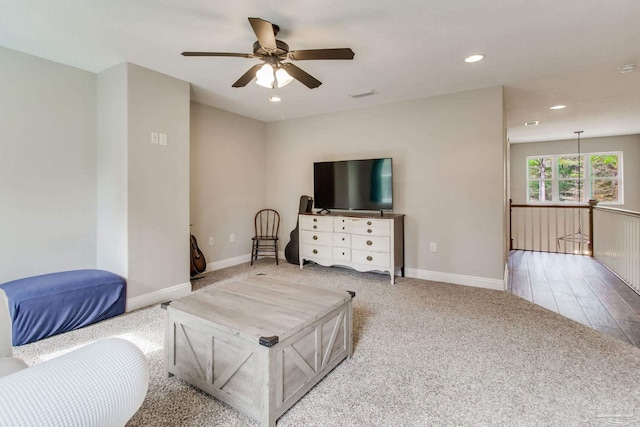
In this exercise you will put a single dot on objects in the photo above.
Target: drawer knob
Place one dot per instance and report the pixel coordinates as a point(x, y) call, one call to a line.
point(368, 230)
point(368, 222)
point(315, 219)
point(315, 237)
point(342, 253)
point(343, 239)
point(369, 258)
point(369, 243)
point(315, 226)
point(315, 251)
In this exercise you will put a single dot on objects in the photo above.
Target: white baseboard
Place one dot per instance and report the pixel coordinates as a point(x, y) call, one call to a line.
point(229, 262)
point(456, 279)
point(162, 295)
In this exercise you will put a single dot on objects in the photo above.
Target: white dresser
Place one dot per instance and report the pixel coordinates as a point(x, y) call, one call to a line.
point(362, 242)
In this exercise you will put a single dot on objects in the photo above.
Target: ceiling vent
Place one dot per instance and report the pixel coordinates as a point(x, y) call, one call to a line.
point(531, 123)
point(362, 94)
point(627, 68)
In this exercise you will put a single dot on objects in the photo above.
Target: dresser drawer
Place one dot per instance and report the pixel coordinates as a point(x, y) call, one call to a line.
point(314, 251)
point(372, 259)
point(370, 227)
point(342, 254)
point(315, 238)
point(341, 224)
point(370, 243)
point(342, 240)
point(316, 223)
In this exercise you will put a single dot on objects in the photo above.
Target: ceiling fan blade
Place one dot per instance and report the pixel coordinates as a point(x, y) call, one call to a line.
point(264, 32)
point(247, 77)
point(238, 55)
point(342, 53)
point(302, 76)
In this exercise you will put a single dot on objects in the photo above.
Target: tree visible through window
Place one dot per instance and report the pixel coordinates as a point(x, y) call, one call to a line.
point(540, 175)
point(567, 179)
point(604, 177)
point(571, 179)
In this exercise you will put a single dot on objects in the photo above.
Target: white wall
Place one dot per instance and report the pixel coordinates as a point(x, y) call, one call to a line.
point(628, 144)
point(47, 166)
point(228, 181)
point(449, 165)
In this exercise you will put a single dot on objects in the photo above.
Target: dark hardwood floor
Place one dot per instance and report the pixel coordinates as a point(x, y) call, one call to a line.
point(577, 287)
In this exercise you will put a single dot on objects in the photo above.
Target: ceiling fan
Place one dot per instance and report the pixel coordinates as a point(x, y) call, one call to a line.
point(273, 72)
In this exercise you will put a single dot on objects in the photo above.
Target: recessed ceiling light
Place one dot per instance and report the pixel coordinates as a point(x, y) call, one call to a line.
point(275, 99)
point(531, 123)
point(557, 107)
point(474, 58)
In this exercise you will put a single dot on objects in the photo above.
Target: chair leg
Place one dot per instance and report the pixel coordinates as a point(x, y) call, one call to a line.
point(275, 243)
point(253, 250)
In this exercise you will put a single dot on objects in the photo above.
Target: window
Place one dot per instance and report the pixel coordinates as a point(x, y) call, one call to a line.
point(567, 179)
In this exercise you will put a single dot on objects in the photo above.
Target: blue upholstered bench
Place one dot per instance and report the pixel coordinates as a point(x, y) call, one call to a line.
point(46, 305)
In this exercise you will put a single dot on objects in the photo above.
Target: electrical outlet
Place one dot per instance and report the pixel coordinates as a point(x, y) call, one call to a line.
point(232, 237)
point(432, 247)
point(210, 241)
point(154, 137)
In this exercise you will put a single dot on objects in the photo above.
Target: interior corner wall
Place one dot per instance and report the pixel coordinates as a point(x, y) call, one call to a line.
point(143, 186)
point(628, 144)
point(47, 166)
point(228, 182)
point(448, 163)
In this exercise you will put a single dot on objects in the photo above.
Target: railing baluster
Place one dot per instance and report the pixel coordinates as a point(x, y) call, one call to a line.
point(617, 243)
point(551, 228)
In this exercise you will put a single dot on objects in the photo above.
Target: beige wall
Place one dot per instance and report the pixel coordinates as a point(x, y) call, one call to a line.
point(448, 165)
point(47, 166)
point(144, 207)
point(158, 185)
point(112, 250)
point(228, 181)
point(448, 160)
point(629, 145)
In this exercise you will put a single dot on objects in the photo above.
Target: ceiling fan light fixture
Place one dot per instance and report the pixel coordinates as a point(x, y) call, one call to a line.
point(282, 77)
point(265, 77)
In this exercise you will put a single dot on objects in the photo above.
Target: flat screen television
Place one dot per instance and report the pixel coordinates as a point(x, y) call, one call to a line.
point(353, 185)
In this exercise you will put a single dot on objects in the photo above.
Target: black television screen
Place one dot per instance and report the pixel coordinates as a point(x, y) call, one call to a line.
point(353, 184)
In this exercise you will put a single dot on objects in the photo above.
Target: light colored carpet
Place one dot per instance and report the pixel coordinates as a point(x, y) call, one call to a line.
point(425, 353)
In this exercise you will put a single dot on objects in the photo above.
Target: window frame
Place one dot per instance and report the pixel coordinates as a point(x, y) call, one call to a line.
point(586, 178)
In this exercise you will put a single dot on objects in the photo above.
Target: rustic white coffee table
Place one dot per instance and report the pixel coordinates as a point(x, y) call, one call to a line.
point(258, 344)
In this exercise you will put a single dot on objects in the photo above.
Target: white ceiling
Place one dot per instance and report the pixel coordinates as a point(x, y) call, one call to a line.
point(544, 52)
